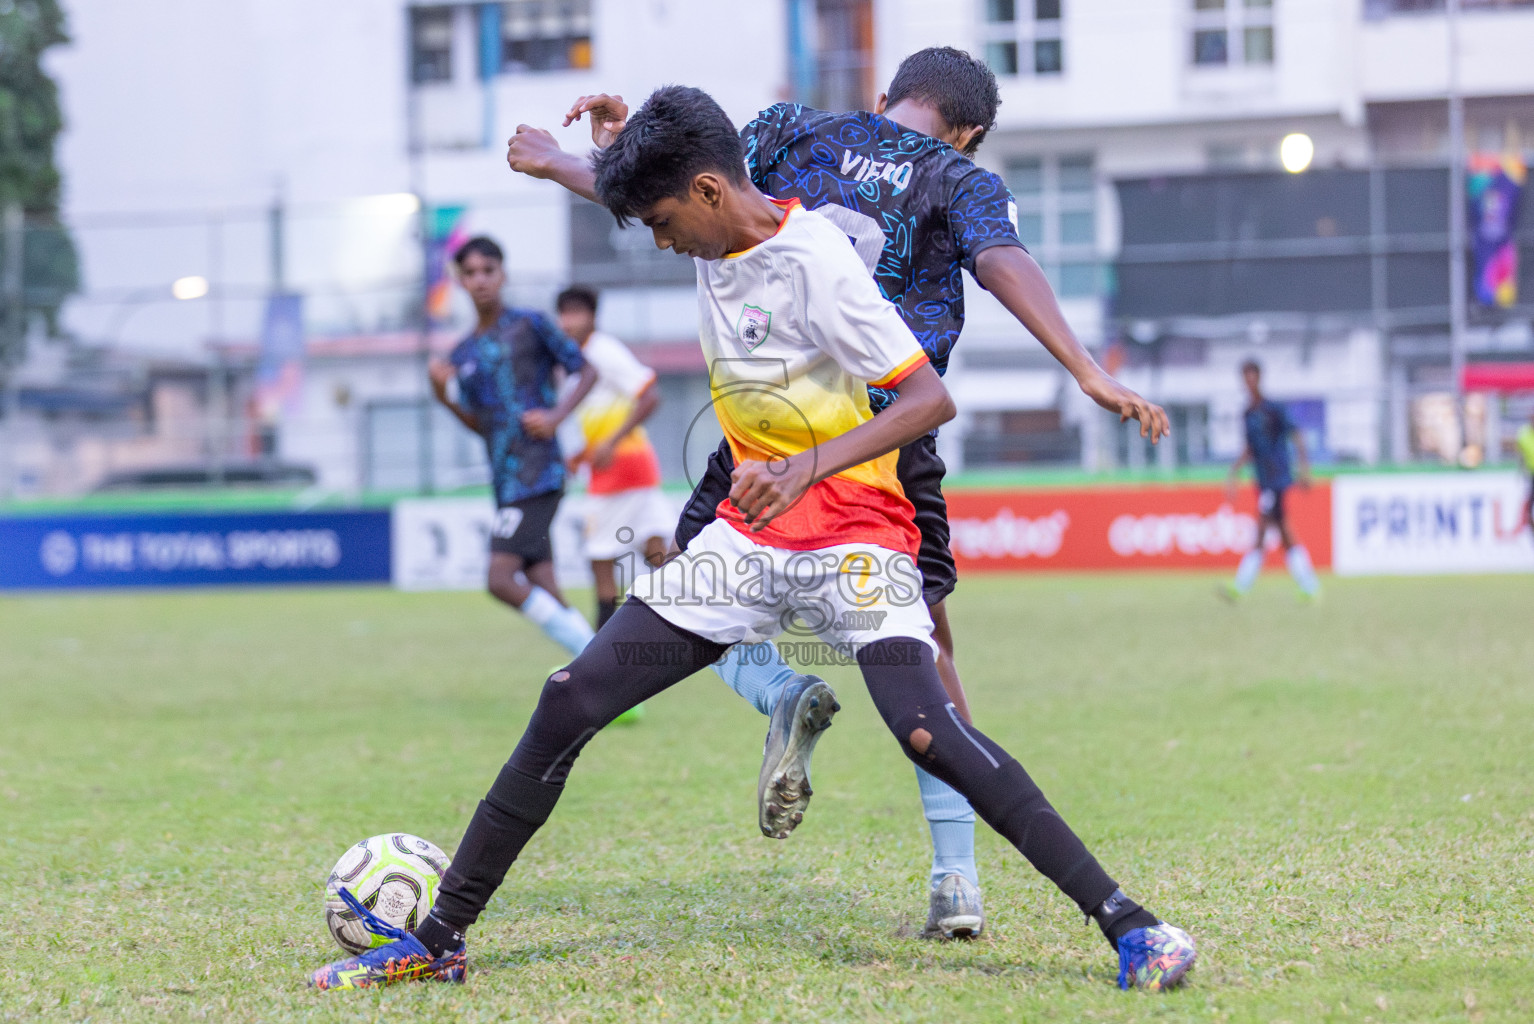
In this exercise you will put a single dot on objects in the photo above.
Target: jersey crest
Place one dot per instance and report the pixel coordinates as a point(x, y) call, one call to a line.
point(754, 325)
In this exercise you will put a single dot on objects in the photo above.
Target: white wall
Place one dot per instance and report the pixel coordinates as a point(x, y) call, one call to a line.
point(178, 111)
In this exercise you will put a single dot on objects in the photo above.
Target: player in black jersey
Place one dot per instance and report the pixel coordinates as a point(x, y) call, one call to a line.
point(900, 182)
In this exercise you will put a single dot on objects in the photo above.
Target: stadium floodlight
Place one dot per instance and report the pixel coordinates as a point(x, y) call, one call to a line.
point(1296, 152)
point(194, 286)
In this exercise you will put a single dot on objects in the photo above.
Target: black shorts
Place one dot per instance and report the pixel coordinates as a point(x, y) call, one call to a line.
point(920, 472)
point(1270, 503)
point(521, 528)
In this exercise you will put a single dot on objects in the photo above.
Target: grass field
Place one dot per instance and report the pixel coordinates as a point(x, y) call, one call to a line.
point(1338, 802)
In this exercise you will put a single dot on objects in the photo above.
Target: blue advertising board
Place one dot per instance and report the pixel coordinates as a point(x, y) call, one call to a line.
point(190, 550)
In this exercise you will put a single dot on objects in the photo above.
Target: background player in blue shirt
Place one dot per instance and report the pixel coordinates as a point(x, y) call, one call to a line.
point(900, 183)
point(1269, 431)
point(504, 371)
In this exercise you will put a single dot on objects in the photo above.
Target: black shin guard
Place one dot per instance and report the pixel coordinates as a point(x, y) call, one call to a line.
point(514, 809)
point(908, 692)
point(635, 656)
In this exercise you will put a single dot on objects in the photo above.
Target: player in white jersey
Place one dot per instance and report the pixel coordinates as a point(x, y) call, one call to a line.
point(815, 530)
point(626, 513)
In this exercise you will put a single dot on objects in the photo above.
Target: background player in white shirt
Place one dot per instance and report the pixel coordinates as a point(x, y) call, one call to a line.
point(626, 511)
point(796, 331)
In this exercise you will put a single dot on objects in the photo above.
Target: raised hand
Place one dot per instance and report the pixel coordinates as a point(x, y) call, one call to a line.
point(533, 151)
point(608, 116)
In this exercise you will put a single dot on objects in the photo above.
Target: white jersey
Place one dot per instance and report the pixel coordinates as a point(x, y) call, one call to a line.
point(794, 331)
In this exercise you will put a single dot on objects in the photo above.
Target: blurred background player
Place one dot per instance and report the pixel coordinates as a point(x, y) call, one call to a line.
point(900, 184)
point(627, 511)
point(1526, 453)
point(503, 376)
point(1269, 431)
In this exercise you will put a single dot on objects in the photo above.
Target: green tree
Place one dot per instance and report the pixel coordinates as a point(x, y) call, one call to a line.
point(29, 181)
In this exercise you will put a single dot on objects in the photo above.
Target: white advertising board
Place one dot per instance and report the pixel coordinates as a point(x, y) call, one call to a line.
point(444, 543)
point(1420, 523)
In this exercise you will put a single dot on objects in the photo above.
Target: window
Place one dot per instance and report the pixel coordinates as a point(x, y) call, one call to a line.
point(1385, 8)
point(1232, 32)
point(1022, 37)
point(1057, 219)
point(546, 35)
point(431, 44)
point(831, 53)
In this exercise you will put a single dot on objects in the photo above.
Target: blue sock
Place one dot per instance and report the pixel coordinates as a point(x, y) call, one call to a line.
point(1251, 565)
point(952, 821)
point(1303, 572)
point(570, 630)
point(565, 626)
point(757, 672)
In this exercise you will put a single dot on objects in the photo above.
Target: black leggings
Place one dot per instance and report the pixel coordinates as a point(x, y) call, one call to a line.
point(638, 654)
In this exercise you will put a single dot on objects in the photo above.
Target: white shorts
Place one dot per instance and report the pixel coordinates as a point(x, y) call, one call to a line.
point(729, 589)
point(621, 522)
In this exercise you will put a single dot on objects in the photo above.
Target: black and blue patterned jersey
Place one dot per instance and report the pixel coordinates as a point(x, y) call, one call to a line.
point(916, 209)
point(502, 373)
point(1268, 427)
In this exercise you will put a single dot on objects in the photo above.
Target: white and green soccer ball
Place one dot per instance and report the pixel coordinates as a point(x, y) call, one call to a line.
point(394, 875)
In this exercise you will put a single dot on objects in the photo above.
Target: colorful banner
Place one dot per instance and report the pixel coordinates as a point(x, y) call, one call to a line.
point(202, 550)
point(280, 364)
point(1495, 184)
point(446, 231)
point(1192, 527)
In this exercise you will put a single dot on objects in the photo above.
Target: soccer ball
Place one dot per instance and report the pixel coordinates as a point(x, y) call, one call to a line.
point(394, 875)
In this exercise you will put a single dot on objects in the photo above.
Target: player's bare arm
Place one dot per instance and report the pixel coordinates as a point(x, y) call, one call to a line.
point(440, 372)
point(1235, 472)
point(542, 423)
point(536, 153)
point(1302, 458)
point(1013, 276)
point(763, 490)
point(645, 404)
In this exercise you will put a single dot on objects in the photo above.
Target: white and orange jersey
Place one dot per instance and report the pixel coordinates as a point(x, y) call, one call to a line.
point(620, 379)
point(795, 331)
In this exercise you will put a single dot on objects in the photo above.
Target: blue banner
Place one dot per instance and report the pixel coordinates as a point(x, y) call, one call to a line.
point(194, 550)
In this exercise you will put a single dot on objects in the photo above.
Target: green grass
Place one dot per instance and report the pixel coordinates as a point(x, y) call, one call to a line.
point(1338, 802)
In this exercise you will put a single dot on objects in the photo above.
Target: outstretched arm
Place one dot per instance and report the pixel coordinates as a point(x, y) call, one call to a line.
point(1010, 274)
point(763, 490)
point(534, 152)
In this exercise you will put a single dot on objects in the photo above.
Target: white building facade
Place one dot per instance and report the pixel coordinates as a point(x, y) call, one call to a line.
point(271, 146)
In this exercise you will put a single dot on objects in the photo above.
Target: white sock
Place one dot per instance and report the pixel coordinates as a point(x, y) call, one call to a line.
point(1251, 565)
point(1303, 572)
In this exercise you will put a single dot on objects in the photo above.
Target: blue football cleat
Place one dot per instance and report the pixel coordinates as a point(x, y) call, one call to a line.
point(1155, 958)
point(403, 959)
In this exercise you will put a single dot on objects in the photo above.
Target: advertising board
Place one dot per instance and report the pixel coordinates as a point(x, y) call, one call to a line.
point(1417, 523)
point(1141, 527)
point(202, 549)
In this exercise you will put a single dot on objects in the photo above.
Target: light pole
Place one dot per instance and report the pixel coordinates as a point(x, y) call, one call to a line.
point(1457, 296)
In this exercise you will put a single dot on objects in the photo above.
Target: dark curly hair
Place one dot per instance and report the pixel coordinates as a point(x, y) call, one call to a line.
point(963, 88)
point(679, 133)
